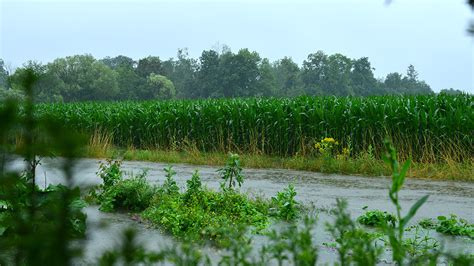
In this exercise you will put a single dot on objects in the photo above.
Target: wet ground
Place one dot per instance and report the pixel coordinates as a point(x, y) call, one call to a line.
point(320, 190)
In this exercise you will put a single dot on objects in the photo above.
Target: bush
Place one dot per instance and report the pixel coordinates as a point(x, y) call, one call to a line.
point(284, 204)
point(116, 193)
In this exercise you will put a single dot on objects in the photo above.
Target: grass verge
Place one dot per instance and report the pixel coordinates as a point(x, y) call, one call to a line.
point(362, 165)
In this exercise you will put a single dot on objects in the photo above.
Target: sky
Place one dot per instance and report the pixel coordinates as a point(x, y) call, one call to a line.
point(430, 34)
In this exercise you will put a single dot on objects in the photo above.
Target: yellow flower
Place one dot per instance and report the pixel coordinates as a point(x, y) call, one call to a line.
point(317, 145)
point(329, 140)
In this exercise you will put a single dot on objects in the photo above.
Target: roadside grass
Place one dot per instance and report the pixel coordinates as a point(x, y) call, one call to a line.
point(361, 165)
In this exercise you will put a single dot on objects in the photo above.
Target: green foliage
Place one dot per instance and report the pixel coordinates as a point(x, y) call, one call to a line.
point(377, 218)
point(353, 244)
point(449, 225)
point(285, 205)
point(117, 193)
point(455, 226)
point(417, 125)
point(210, 216)
point(231, 173)
point(170, 186)
point(17, 200)
point(194, 185)
point(427, 223)
point(294, 244)
point(421, 244)
point(158, 87)
point(395, 233)
point(109, 172)
point(37, 225)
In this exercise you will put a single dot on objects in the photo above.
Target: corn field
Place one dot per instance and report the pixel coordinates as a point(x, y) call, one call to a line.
point(427, 128)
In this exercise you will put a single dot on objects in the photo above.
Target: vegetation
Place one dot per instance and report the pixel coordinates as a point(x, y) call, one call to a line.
point(427, 128)
point(449, 225)
point(37, 226)
point(196, 214)
point(377, 218)
point(41, 226)
point(116, 193)
point(215, 74)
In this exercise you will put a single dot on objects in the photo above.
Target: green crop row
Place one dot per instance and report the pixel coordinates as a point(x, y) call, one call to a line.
point(427, 128)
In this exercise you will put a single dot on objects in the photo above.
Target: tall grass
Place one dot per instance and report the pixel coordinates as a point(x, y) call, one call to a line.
point(427, 128)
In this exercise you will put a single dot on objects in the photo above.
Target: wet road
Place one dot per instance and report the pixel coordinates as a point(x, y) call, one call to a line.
point(320, 190)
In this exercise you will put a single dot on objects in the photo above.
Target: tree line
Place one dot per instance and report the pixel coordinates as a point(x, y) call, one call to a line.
point(215, 74)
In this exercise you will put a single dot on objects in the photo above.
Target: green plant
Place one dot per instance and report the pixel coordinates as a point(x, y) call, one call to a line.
point(117, 193)
point(455, 226)
point(429, 128)
point(395, 233)
point(377, 218)
point(110, 172)
point(420, 244)
point(38, 226)
point(170, 186)
point(200, 214)
point(427, 223)
point(285, 205)
point(294, 244)
point(353, 244)
point(231, 173)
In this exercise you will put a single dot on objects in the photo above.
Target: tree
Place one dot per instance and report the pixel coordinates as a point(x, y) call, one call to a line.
point(393, 83)
point(412, 74)
point(158, 87)
point(148, 65)
point(119, 62)
point(362, 78)
point(208, 78)
point(184, 75)
point(287, 78)
point(239, 73)
point(81, 77)
point(128, 80)
point(337, 80)
point(46, 87)
point(266, 84)
point(3, 75)
point(314, 72)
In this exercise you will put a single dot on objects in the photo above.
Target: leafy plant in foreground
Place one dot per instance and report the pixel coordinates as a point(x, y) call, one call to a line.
point(353, 244)
point(38, 225)
point(395, 233)
point(294, 245)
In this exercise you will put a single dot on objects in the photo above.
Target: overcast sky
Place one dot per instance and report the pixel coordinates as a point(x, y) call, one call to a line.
point(430, 34)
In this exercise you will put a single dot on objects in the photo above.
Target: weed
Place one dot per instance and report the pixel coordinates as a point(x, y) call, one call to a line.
point(377, 218)
point(285, 205)
point(170, 186)
point(455, 226)
point(395, 233)
point(352, 244)
point(294, 244)
point(231, 172)
point(117, 193)
point(427, 223)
